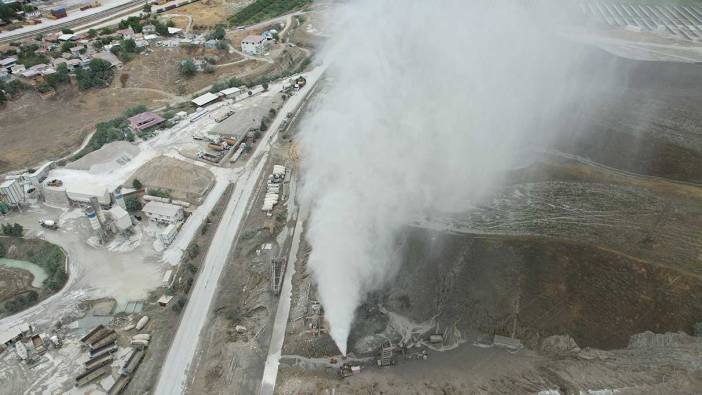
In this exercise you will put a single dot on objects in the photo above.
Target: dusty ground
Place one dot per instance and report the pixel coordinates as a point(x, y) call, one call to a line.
point(182, 179)
point(232, 362)
point(59, 124)
point(166, 319)
point(158, 70)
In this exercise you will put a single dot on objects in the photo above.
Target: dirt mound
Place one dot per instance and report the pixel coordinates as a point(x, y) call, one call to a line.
point(181, 179)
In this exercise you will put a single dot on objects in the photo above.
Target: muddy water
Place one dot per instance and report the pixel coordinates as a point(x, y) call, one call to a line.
point(39, 274)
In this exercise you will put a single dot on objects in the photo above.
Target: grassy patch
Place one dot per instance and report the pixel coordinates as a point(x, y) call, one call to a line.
point(261, 10)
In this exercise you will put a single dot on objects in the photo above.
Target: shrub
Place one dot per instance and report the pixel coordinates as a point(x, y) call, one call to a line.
point(133, 204)
point(187, 68)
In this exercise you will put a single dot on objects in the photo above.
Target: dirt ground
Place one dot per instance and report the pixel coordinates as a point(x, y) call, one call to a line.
point(58, 125)
point(182, 179)
point(14, 282)
point(207, 14)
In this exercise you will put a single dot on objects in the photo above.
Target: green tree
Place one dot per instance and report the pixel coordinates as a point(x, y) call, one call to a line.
point(98, 74)
point(218, 33)
point(66, 30)
point(136, 184)
point(15, 230)
point(193, 250)
point(132, 203)
point(59, 77)
point(147, 8)
point(92, 33)
point(2, 250)
point(187, 68)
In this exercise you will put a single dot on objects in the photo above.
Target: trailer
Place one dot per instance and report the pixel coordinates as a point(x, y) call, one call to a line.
point(133, 362)
point(119, 385)
point(98, 361)
point(92, 335)
point(110, 338)
point(38, 344)
point(90, 376)
point(106, 349)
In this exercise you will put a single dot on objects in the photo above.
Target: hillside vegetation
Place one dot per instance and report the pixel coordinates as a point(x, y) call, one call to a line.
point(261, 10)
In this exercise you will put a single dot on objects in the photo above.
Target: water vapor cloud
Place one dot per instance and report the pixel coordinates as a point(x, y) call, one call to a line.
point(428, 103)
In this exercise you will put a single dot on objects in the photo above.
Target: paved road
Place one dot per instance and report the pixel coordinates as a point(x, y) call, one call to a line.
point(104, 14)
point(173, 378)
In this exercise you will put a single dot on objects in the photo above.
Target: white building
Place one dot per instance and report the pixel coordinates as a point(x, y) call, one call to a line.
point(163, 212)
point(12, 193)
point(120, 218)
point(168, 235)
point(253, 45)
point(82, 192)
point(205, 99)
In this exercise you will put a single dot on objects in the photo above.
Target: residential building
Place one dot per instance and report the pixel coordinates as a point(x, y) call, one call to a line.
point(143, 121)
point(108, 56)
point(163, 212)
point(7, 63)
point(126, 33)
point(253, 45)
point(17, 69)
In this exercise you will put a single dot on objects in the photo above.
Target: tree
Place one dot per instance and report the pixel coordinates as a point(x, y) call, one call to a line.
point(222, 45)
point(147, 8)
point(15, 230)
point(187, 68)
point(132, 203)
point(66, 30)
point(128, 45)
point(2, 250)
point(217, 34)
point(193, 250)
point(264, 86)
point(698, 328)
point(136, 184)
point(98, 74)
point(92, 33)
point(59, 77)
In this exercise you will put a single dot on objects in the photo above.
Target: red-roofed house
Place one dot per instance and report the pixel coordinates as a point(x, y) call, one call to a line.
point(143, 121)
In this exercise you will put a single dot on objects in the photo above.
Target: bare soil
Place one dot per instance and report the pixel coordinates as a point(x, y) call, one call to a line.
point(208, 13)
point(36, 129)
point(181, 179)
point(14, 282)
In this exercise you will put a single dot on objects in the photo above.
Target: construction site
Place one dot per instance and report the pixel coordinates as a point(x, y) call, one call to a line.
point(330, 231)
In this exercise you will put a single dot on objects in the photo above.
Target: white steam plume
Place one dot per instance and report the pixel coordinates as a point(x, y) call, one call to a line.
point(429, 102)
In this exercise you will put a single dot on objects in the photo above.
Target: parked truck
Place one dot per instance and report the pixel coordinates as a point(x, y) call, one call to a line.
point(48, 224)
